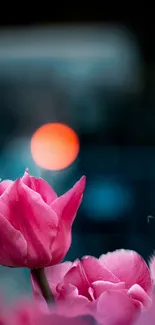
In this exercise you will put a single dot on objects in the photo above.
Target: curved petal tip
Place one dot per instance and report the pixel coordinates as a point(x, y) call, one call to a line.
point(81, 183)
point(152, 266)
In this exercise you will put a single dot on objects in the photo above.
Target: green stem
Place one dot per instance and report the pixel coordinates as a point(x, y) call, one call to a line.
point(41, 279)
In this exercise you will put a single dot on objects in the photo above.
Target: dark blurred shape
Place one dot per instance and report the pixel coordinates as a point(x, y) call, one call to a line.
point(107, 199)
point(9, 121)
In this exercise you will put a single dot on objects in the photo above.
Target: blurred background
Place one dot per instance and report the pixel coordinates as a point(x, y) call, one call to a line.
point(95, 82)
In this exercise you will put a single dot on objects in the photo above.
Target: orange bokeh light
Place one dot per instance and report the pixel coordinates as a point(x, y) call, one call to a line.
point(54, 146)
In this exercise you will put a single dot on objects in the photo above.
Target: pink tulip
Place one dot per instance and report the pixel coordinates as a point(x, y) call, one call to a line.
point(35, 224)
point(115, 288)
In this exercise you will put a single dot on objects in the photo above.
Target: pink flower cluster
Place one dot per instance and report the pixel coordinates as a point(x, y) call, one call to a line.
point(118, 288)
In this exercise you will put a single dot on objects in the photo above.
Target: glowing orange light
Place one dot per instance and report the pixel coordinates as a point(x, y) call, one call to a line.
point(54, 146)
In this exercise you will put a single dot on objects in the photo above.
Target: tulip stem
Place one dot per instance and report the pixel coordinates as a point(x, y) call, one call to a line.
point(41, 279)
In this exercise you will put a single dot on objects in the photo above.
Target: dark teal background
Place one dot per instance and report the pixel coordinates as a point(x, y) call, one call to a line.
point(108, 99)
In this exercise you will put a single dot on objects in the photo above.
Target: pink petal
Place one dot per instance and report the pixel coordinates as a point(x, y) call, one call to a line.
point(40, 186)
point(4, 185)
point(63, 314)
point(94, 271)
point(13, 247)
point(91, 292)
point(137, 293)
point(129, 267)
point(55, 275)
point(77, 278)
point(74, 301)
point(152, 267)
point(66, 207)
point(148, 317)
point(116, 308)
point(26, 312)
point(28, 213)
point(63, 319)
point(100, 286)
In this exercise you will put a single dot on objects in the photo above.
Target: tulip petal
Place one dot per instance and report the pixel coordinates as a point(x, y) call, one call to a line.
point(55, 274)
point(152, 267)
point(116, 308)
point(148, 317)
point(66, 207)
point(4, 185)
point(100, 286)
point(29, 214)
point(40, 186)
point(94, 271)
point(129, 267)
point(77, 278)
point(13, 247)
point(136, 292)
point(72, 299)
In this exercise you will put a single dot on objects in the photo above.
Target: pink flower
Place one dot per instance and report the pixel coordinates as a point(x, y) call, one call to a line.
point(26, 312)
point(30, 313)
point(152, 267)
point(114, 288)
point(4, 317)
point(148, 317)
point(35, 224)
